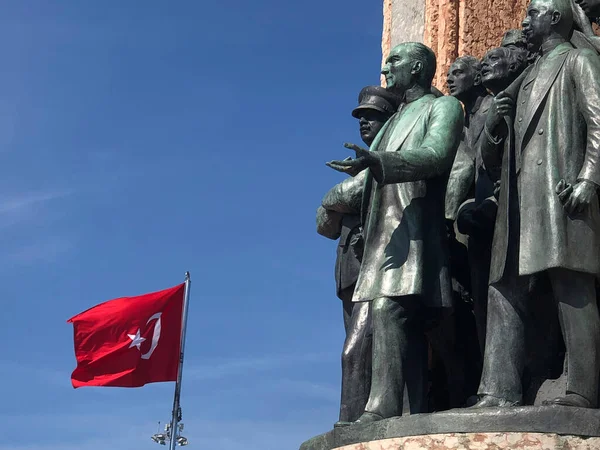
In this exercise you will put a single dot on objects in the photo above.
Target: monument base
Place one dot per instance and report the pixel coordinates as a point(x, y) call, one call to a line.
point(527, 427)
point(481, 441)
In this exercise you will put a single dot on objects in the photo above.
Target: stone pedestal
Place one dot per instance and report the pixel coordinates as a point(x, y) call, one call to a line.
point(528, 427)
point(481, 441)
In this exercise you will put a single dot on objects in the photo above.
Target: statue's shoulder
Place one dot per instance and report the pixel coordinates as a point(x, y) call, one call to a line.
point(448, 103)
point(487, 101)
point(447, 100)
point(587, 53)
point(583, 59)
point(574, 54)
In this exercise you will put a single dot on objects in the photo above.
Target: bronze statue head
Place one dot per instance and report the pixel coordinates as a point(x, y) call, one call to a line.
point(375, 106)
point(547, 19)
point(464, 79)
point(409, 64)
point(513, 38)
point(501, 66)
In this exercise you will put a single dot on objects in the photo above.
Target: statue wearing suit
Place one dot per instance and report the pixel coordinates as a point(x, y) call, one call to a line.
point(548, 221)
point(405, 262)
point(338, 217)
point(469, 186)
point(464, 83)
point(470, 194)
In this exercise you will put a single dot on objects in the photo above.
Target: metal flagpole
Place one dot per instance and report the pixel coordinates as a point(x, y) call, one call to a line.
point(176, 408)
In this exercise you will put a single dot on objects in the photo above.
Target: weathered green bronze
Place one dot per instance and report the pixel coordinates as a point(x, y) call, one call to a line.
point(338, 217)
point(548, 224)
point(405, 263)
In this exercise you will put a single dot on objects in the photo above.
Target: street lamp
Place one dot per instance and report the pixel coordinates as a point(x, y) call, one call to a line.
point(163, 438)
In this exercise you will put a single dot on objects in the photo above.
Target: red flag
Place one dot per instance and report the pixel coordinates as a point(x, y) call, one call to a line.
point(129, 341)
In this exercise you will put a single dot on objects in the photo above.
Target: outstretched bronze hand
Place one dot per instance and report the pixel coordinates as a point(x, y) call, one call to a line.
point(353, 166)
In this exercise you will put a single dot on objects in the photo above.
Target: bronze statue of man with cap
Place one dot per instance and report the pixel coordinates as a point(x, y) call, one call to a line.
point(338, 217)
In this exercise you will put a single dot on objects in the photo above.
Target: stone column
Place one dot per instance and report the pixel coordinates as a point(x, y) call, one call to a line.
point(451, 28)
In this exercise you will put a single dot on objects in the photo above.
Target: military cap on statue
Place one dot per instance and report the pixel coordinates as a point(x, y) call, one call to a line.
point(378, 98)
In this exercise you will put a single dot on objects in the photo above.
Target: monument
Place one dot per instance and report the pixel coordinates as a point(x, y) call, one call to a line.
point(510, 159)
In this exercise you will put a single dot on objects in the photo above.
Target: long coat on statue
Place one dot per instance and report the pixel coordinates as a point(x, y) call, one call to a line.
point(557, 136)
point(468, 177)
point(405, 238)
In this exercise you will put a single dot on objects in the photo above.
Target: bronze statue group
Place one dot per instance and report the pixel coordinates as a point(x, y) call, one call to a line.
point(469, 228)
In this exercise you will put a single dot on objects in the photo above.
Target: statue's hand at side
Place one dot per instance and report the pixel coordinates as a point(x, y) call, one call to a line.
point(575, 199)
point(353, 166)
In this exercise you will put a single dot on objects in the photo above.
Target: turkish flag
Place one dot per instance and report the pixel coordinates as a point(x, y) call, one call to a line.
point(129, 341)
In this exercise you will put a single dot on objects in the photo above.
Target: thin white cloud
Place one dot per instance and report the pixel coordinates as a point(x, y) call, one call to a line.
point(34, 373)
point(307, 389)
point(46, 250)
point(32, 207)
point(128, 420)
point(29, 200)
point(83, 432)
point(231, 367)
point(116, 431)
point(27, 207)
point(254, 434)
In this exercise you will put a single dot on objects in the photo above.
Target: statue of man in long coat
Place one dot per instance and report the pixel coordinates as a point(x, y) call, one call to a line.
point(548, 221)
point(405, 261)
point(470, 193)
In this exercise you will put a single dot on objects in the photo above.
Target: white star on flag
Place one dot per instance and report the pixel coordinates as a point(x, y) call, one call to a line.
point(136, 339)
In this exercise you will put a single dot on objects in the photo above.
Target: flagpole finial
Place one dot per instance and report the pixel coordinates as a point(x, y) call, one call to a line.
point(187, 275)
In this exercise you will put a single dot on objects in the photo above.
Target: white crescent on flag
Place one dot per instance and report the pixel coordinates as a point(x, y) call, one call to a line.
point(155, 335)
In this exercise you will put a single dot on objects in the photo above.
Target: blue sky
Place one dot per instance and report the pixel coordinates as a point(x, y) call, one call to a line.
point(141, 139)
